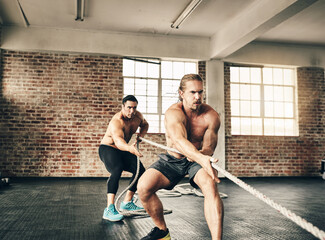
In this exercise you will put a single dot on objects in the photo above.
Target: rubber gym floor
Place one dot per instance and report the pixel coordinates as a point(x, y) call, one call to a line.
point(72, 208)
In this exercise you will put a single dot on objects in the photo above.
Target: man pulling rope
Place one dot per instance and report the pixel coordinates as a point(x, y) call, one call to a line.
point(117, 155)
point(192, 128)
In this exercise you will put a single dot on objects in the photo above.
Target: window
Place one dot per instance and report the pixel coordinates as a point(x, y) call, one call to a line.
point(154, 83)
point(263, 101)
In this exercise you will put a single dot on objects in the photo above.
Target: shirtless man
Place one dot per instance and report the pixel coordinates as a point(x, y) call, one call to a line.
point(191, 128)
point(117, 155)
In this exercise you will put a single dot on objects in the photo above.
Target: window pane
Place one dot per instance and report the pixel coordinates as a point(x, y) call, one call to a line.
point(178, 70)
point(267, 76)
point(128, 86)
point(257, 126)
point(152, 104)
point(140, 87)
point(255, 92)
point(255, 75)
point(234, 91)
point(234, 74)
point(153, 70)
point(245, 125)
point(162, 124)
point(288, 110)
point(289, 127)
point(166, 69)
point(268, 126)
point(140, 69)
point(278, 109)
point(245, 108)
point(278, 76)
point(190, 68)
point(128, 67)
point(245, 92)
point(142, 106)
point(288, 77)
point(170, 88)
point(278, 94)
point(153, 122)
point(288, 94)
point(268, 93)
point(235, 125)
point(268, 109)
point(235, 107)
point(256, 109)
point(167, 102)
point(244, 75)
point(153, 88)
point(279, 127)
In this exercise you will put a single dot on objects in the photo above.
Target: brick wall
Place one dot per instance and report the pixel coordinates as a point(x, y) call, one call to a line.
point(54, 109)
point(282, 156)
point(54, 112)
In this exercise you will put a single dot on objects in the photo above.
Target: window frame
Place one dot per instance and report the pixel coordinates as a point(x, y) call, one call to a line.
point(262, 116)
point(160, 113)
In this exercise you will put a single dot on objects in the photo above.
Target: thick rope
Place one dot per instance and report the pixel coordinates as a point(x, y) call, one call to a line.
point(293, 217)
point(128, 187)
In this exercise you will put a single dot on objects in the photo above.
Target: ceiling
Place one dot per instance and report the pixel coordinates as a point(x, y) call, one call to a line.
point(282, 21)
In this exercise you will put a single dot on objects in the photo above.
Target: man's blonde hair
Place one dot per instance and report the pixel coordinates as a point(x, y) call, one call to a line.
point(186, 78)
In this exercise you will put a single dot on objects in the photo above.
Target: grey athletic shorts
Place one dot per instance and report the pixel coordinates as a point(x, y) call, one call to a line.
point(175, 169)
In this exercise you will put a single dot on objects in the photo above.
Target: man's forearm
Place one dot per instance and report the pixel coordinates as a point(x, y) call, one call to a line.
point(143, 131)
point(121, 144)
point(206, 151)
point(189, 150)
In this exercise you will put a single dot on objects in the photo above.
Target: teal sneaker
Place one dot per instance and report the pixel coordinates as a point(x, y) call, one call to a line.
point(130, 206)
point(111, 214)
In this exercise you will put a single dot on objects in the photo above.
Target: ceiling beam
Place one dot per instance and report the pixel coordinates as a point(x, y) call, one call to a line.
point(99, 42)
point(252, 22)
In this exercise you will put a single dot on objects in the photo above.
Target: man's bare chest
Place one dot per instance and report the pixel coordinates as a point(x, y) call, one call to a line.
point(196, 129)
point(130, 128)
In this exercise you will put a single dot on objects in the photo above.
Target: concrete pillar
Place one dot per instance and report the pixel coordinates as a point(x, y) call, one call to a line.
point(216, 99)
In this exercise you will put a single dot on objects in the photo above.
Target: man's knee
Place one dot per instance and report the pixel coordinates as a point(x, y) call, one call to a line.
point(143, 188)
point(207, 185)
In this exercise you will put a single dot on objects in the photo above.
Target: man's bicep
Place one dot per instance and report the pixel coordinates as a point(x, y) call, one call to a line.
point(144, 123)
point(174, 125)
point(210, 139)
point(117, 130)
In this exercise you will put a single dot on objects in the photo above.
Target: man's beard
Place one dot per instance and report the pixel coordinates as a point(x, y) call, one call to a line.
point(196, 105)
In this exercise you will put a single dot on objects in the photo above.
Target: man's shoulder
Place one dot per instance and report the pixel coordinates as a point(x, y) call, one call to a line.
point(138, 116)
point(116, 119)
point(117, 116)
point(208, 109)
point(176, 107)
point(209, 112)
point(211, 116)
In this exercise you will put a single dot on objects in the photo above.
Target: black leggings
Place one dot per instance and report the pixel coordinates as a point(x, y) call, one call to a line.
point(115, 162)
